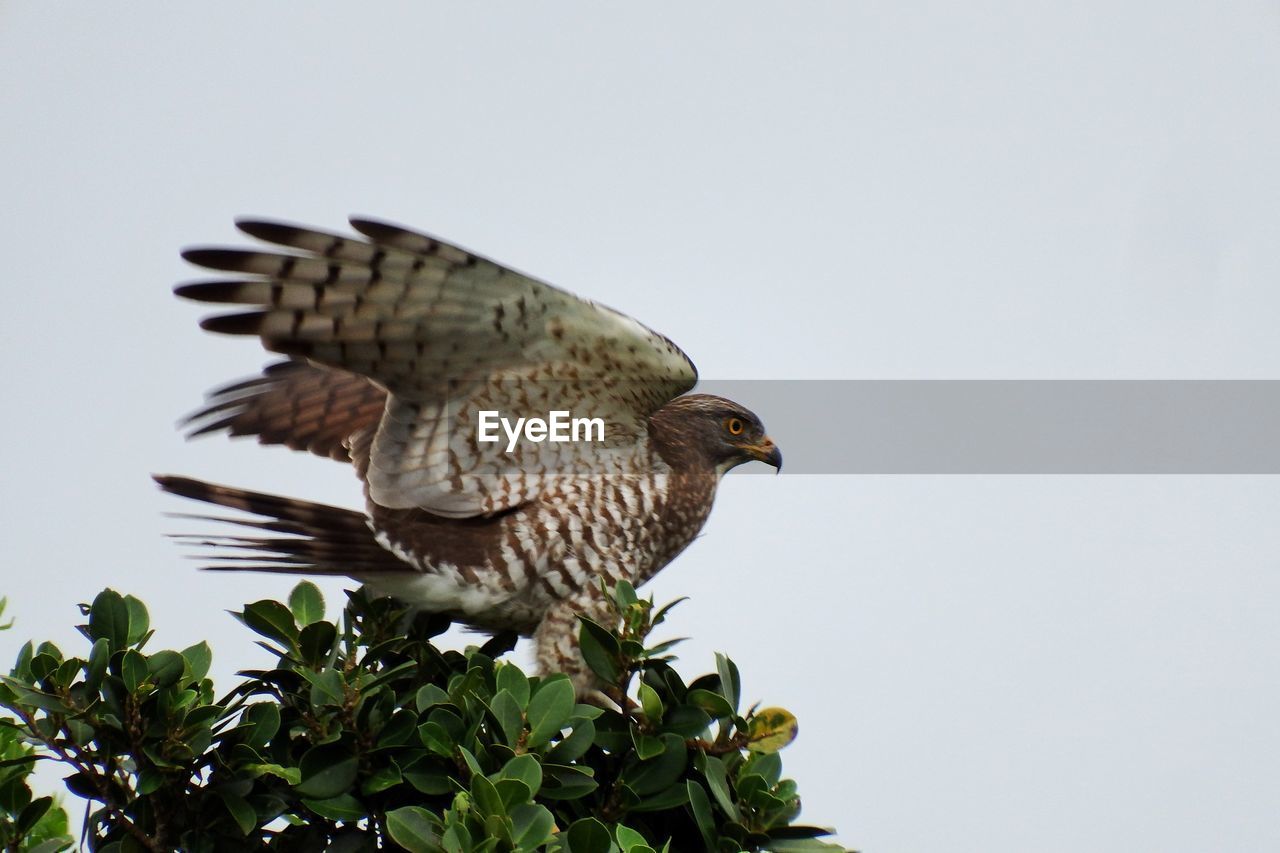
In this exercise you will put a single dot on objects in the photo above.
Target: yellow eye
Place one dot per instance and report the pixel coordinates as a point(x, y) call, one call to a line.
point(734, 426)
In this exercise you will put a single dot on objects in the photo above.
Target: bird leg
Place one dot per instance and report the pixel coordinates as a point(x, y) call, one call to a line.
point(556, 646)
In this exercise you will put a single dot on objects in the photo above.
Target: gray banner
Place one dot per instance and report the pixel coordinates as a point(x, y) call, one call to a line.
point(1017, 426)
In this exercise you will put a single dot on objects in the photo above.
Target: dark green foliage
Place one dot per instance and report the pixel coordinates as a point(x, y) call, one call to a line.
point(27, 822)
point(365, 736)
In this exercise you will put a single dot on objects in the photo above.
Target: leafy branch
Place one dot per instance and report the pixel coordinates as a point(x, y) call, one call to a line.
point(363, 735)
point(27, 822)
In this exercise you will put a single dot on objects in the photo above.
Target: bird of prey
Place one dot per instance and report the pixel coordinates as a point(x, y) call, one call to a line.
point(397, 345)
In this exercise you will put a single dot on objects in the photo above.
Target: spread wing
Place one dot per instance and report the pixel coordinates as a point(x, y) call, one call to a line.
point(447, 334)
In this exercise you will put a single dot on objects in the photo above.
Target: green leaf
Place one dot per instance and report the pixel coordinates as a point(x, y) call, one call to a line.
point(315, 643)
point(413, 828)
point(36, 698)
point(507, 710)
point(652, 776)
point(625, 595)
point(436, 738)
point(14, 795)
point(240, 810)
point(22, 666)
point(327, 771)
point(664, 610)
point(718, 782)
point(109, 619)
point(730, 684)
point(368, 681)
point(647, 746)
point(651, 704)
point(575, 745)
point(99, 657)
point(450, 722)
point(672, 797)
point(42, 665)
point(20, 760)
point(588, 835)
point(687, 720)
point(292, 775)
point(150, 780)
point(560, 782)
point(67, 671)
point(771, 729)
point(399, 729)
point(657, 650)
point(513, 793)
point(600, 650)
point(342, 807)
point(629, 838)
point(523, 768)
point(133, 670)
point(511, 679)
point(81, 784)
point(470, 760)
point(264, 717)
point(53, 845)
point(486, 797)
point(165, 668)
point(155, 750)
point(327, 688)
point(79, 732)
point(272, 620)
point(31, 814)
point(429, 695)
point(198, 658)
point(766, 765)
point(381, 779)
point(531, 827)
point(549, 709)
point(700, 805)
point(428, 778)
point(139, 621)
point(307, 603)
point(713, 703)
point(754, 791)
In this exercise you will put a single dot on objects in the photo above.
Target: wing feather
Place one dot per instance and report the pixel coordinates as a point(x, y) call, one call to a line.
point(447, 333)
point(299, 405)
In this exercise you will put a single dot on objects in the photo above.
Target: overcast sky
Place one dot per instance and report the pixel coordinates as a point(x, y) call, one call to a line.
point(789, 191)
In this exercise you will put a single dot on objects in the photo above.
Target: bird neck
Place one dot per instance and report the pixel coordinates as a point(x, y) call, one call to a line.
point(678, 445)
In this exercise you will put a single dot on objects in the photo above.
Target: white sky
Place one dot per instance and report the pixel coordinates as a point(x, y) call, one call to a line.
point(821, 190)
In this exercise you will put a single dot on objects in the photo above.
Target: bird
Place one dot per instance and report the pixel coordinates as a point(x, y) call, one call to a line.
point(396, 347)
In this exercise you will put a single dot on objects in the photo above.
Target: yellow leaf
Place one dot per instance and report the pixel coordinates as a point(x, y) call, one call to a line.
point(770, 729)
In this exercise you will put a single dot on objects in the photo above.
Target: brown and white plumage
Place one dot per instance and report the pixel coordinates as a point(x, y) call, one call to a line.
point(395, 344)
point(299, 405)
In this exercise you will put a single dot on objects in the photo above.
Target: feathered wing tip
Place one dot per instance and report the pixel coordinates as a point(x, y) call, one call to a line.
point(317, 538)
point(299, 405)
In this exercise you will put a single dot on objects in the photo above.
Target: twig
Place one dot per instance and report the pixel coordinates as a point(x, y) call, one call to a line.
point(733, 744)
point(95, 778)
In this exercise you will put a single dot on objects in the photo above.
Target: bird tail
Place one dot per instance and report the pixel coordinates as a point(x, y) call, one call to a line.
point(314, 538)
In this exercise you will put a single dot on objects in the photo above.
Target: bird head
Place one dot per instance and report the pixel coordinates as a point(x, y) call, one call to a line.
point(720, 431)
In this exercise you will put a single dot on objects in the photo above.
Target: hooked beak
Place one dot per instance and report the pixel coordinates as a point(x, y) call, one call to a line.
point(767, 452)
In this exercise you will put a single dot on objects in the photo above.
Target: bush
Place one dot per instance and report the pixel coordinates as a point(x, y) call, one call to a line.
point(365, 736)
point(30, 823)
